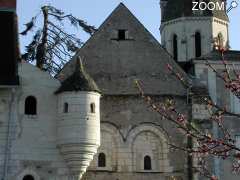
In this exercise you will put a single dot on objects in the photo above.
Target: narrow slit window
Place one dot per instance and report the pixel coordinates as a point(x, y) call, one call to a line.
point(101, 160)
point(220, 40)
point(65, 108)
point(175, 47)
point(31, 105)
point(28, 177)
point(147, 163)
point(92, 107)
point(198, 44)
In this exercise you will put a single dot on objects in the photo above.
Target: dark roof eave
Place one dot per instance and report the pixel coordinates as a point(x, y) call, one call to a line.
point(61, 91)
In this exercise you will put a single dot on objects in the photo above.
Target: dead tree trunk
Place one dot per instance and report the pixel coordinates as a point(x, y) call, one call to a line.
point(41, 50)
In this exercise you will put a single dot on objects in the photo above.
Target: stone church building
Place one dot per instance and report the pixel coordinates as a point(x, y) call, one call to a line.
point(89, 121)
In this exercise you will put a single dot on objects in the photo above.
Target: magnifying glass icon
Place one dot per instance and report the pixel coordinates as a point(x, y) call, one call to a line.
point(233, 5)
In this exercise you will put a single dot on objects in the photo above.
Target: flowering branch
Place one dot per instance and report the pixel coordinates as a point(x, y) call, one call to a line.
point(205, 143)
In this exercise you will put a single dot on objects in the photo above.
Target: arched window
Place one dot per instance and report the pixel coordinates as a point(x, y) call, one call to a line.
point(31, 105)
point(101, 160)
point(28, 177)
point(147, 163)
point(65, 108)
point(175, 47)
point(220, 39)
point(198, 44)
point(92, 107)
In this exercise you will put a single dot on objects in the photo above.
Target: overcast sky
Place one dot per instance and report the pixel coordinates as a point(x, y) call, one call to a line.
point(96, 11)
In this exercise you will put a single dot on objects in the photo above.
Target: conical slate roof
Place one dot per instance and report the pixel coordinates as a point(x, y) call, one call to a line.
point(78, 81)
point(183, 8)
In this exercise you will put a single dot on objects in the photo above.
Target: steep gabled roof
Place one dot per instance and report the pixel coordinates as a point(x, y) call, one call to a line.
point(78, 81)
point(183, 8)
point(115, 64)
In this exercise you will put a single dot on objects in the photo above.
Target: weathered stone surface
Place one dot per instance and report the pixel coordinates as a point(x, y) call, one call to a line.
point(115, 64)
point(130, 131)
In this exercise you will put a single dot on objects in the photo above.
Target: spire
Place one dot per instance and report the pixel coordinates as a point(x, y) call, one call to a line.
point(9, 43)
point(79, 80)
point(79, 65)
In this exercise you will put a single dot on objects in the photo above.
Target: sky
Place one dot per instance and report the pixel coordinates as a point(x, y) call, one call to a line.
point(96, 11)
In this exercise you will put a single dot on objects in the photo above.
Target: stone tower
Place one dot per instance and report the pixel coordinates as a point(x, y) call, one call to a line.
point(78, 128)
point(188, 33)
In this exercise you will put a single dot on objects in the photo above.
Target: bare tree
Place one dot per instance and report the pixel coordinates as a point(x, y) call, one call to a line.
point(51, 46)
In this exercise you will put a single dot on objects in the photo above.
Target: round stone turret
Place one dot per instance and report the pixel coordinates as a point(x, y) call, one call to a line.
point(78, 131)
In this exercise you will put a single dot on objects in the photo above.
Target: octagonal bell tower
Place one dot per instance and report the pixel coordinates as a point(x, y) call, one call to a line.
point(78, 128)
point(188, 33)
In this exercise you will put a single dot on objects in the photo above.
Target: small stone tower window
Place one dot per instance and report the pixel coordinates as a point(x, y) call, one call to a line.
point(147, 163)
point(101, 160)
point(65, 108)
point(175, 47)
point(198, 44)
point(122, 34)
point(28, 177)
point(92, 107)
point(31, 105)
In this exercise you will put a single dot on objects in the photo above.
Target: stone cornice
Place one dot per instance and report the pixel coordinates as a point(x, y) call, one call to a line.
point(212, 19)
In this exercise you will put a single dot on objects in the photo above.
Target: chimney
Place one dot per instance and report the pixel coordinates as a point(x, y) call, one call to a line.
point(8, 5)
point(9, 49)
